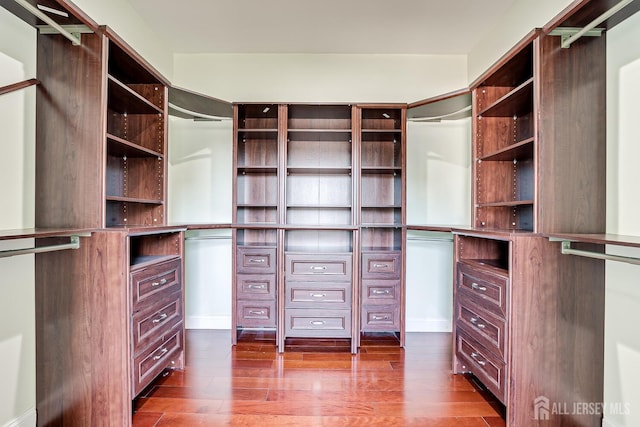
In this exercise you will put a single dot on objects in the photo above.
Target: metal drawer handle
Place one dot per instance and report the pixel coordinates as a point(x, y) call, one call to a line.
point(162, 353)
point(160, 318)
point(318, 295)
point(480, 362)
point(317, 322)
point(474, 320)
point(257, 260)
point(381, 291)
point(477, 287)
point(318, 268)
point(380, 265)
point(257, 286)
point(380, 317)
point(256, 313)
point(160, 283)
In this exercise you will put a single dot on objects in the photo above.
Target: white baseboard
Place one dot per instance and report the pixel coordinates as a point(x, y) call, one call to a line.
point(28, 419)
point(428, 325)
point(207, 322)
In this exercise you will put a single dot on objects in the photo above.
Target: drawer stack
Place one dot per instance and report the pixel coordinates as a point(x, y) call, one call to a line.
point(256, 287)
point(157, 318)
point(381, 291)
point(481, 324)
point(318, 295)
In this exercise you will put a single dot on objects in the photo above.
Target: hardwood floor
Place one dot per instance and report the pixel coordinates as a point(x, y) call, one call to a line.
point(316, 383)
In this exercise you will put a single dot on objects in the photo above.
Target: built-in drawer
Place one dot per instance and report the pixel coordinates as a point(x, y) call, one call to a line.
point(152, 283)
point(256, 314)
point(317, 323)
point(326, 295)
point(485, 328)
point(380, 318)
point(148, 364)
point(150, 325)
point(318, 267)
point(256, 259)
point(489, 369)
point(381, 265)
point(487, 289)
point(256, 286)
point(380, 292)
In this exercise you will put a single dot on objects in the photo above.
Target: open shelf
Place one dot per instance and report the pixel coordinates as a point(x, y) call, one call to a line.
point(120, 147)
point(123, 99)
point(517, 102)
point(522, 150)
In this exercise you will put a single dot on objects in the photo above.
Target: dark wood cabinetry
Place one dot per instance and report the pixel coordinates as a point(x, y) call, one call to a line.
point(320, 184)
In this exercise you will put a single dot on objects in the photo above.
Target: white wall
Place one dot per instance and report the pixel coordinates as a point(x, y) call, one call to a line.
point(120, 16)
point(622, 341)
point(522, 17)
point(320, 77)
point(17, 121)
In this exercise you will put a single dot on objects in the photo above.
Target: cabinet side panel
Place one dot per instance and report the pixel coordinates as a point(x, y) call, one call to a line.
point(572, 136)
point(557, 340)
point(82, 334)
point(69, 132)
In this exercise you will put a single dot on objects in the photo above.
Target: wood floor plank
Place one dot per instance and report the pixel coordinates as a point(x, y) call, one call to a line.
point(316, 383)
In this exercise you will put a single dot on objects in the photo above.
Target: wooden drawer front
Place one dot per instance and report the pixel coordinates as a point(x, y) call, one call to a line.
point(256, 313)
point(380, 318)
point(318, 267)
point(318, 295)
point(256, 286)
point(381, 265)
point(489, 369)
point(256, 260)
point(380, 292)
point(488, 290)
point(150, 325)
point(147, 365)
point(318, 323)
point(486, 329)
point(155, 282)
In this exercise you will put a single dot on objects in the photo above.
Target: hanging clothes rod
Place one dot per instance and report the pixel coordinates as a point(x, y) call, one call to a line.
point(39, 14)
point(444, 116)
point(208, 238)
point(429, 239)
point(577, 33)
point(74, 244)
point(198, 115)
point(566, 249)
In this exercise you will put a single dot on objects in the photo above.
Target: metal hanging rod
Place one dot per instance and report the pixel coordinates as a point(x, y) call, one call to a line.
point(570, 35)
point(74, 244)
point(566, 249)
point(197, 115)
point(75, 39)
point(438, 118)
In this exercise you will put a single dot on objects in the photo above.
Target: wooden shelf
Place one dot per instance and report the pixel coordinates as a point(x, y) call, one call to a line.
point(258, 169)
point(257, 134)
point(381, 169)
point(318, 206)
point(318, 170)
point(17, 86)
point(120, 147)
point(125, 100)
point(134, 200)
point(512, 203)
point(516, 103)
point(142, 261)
point(522, 150)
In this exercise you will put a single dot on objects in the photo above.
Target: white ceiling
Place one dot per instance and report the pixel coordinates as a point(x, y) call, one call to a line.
point(322, 26)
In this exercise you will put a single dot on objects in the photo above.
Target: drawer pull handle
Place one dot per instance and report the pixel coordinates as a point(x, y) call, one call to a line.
point(318, 295)
point(257, 260)
point(381, 291)
point(380, 265)
point(257, 286)
point(474, 320)
point(317, 322)
point(477, 287)
point(161, 354)
point(257, 312)
point(317, 268)
point(160, 318)
point(160, 283)
point(480, 362)
point(380, 317)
